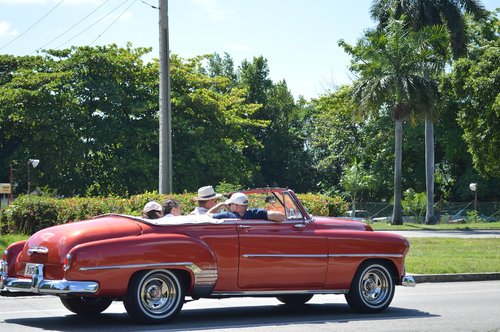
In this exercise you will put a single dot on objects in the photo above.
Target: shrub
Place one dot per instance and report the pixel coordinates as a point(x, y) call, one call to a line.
point(321, 205)
point(30, 213)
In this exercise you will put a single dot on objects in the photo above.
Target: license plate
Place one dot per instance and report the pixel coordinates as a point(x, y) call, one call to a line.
point(30, 269)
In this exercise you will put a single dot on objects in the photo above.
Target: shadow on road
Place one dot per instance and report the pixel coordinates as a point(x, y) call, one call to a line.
point(221, 318)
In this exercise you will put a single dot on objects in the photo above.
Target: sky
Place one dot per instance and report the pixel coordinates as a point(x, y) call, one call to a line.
point(297, 37)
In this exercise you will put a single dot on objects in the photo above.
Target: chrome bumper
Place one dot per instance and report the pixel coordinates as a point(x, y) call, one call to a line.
point(408, 281)
point(37, 285)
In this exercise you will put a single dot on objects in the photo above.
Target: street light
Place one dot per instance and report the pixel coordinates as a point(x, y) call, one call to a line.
point(34, 163)
point(473, 187)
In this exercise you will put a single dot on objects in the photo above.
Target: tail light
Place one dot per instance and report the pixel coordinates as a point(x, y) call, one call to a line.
point(4, 263)
point(67, 262)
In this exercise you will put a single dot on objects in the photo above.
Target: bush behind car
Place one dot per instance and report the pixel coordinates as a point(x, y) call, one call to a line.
point(29, 213)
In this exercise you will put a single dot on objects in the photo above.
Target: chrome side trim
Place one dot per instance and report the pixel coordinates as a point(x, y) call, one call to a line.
point(133, 266)
point(320, 255)
point(366, 255)
point(283, 292)
point(204, 279)
point(38, 250)
point(286, 255)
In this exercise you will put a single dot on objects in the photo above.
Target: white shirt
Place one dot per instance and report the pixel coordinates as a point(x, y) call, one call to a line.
point(199, 211)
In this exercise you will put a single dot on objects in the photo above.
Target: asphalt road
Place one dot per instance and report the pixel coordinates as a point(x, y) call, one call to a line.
point(457, 306)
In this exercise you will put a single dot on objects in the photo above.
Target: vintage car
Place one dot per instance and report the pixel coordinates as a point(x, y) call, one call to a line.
point(153, 265)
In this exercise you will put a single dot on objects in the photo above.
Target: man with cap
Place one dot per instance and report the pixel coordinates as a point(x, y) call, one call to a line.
point(237, 205)
point(152, 210)
point(207, 198)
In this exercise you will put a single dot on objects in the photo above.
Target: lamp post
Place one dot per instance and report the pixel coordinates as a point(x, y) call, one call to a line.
point(34, 163)
point(473, 187)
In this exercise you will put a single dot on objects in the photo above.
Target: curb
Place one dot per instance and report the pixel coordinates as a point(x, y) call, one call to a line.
point(450, 277)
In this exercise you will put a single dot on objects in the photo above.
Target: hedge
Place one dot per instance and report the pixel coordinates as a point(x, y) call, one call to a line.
point(28, 214)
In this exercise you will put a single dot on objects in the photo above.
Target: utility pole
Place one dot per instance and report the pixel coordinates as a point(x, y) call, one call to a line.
point(165, 174)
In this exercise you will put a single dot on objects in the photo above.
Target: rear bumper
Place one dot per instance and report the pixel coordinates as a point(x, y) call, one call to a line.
point(408, 281)
point(37, 285)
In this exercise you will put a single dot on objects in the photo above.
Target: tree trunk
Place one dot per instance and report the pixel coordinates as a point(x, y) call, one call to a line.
point(430, 218)
point(397, 213)
point(354, 205)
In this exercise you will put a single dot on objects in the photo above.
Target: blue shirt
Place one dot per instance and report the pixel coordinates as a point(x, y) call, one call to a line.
point(249, 214)
point(255, 214)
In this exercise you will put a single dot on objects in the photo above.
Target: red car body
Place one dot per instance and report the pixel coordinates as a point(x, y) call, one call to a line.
point(152, 265)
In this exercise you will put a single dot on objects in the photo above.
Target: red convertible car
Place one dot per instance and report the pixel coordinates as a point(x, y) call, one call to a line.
point(153, 265)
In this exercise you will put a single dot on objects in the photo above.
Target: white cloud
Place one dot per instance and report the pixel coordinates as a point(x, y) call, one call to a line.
point(6, 31)
point(213, 9)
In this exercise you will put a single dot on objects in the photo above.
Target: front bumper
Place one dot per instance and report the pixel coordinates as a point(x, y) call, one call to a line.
point(408, 281)
point(37, 285)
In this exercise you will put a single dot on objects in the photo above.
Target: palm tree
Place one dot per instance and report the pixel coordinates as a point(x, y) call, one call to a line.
point(424, 13)
point(395, 72)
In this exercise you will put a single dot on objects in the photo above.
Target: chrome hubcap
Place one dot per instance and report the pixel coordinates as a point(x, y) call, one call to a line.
point(375, 287)
point(158, 294)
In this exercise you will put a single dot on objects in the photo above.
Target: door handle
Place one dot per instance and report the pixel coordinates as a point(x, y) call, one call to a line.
point(299, 225)
point(244, 226)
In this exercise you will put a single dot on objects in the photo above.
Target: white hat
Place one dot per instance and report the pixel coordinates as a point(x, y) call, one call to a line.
point(206, 193)
point(238, 198)
point(152, 206)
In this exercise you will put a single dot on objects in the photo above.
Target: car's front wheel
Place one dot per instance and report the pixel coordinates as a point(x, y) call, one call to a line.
point(372, 288)
point(154, 296)
point(86, 306)
point(295, 299)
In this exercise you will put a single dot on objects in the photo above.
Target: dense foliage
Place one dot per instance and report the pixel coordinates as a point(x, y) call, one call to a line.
point(31, 213)
point(90, 114)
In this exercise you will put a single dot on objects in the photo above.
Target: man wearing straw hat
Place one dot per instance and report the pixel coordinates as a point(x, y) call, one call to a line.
point(207, 198)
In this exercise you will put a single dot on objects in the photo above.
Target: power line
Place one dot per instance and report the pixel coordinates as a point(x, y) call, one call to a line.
point(92, 25)
point(154, 7)
point(70, 28)
point(116, 19)
point(31, 27)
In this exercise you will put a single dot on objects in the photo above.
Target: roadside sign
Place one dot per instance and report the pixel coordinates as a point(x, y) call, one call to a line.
point(5, 188)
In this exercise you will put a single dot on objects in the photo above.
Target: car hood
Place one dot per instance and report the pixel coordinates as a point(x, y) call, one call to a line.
point(58, 240)
point(340, 223)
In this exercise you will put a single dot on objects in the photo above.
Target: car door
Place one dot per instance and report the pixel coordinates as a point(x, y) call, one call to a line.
point(281, 255)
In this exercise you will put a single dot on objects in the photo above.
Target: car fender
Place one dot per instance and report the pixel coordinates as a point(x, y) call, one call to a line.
point(349, 249)
point(13, 252)
point(113, 262)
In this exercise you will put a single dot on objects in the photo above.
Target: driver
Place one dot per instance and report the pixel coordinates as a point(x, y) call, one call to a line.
point(237, 206)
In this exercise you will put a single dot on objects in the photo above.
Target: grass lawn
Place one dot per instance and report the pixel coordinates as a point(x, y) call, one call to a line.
point(7, 239)
point(453, 255)
point(410, 226)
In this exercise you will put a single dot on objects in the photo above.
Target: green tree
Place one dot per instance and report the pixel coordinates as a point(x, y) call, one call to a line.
point(476, 83)
point(423, 13)
point(211, 128)
point(333, 137)
point(282, 159)
point(355, 180)
point(395, 68)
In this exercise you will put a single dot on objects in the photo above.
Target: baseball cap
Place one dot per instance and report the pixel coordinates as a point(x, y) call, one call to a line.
point(152, 206)
point(238, 198)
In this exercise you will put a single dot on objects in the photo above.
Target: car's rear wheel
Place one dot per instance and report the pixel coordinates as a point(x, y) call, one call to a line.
point(295, 299)
point(86, 306)
point(372, 288)
point(154, 296)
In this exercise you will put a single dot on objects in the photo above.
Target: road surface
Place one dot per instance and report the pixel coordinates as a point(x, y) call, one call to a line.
point(453, 306)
